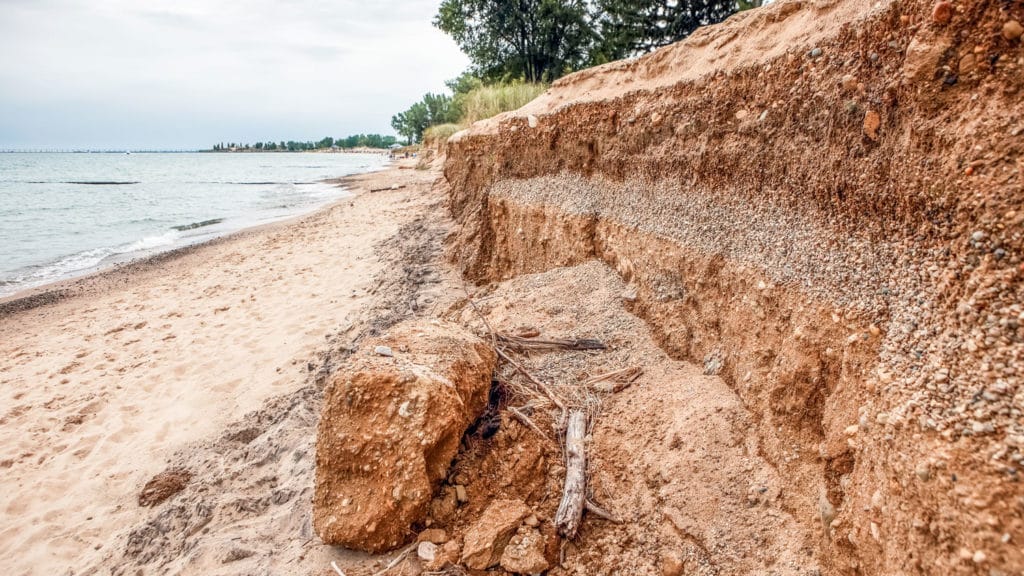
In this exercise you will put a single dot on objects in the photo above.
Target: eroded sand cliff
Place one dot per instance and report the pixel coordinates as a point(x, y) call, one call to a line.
point(820, 202)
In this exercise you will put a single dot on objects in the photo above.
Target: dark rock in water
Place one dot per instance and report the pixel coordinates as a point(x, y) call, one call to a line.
point(195, 225)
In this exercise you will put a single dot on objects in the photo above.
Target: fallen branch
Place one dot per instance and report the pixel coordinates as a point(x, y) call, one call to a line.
point(524, 344)
point(543, 387)
point(392, 187)
point(601, 512)
point(518, 415)
point(570, 509)
point(623, 378)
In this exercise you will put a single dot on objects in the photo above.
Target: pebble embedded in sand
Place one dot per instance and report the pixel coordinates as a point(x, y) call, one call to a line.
point(485, 541)
point(967, 64)
point(1012, 30)
point(524, 553)
point(872, 122)
point(942, 13)
point(672, 564)
point(383, 351)
point(923, 472)
point(426, 551)
point(434, 535)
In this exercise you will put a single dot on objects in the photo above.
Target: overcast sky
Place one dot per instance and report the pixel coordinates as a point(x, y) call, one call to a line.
point(187, 73)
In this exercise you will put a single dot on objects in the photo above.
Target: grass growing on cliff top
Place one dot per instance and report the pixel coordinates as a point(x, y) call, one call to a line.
point(481, 103)
point(441, 132)
point(487, 101)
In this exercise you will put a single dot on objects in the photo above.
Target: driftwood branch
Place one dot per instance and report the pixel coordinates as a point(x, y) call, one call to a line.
point(523, 343)
point(387, 188)
point(570, 509)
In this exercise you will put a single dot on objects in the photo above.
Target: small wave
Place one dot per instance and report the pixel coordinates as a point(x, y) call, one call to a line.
point(61, 267)
point(150, 242)
point(100, 182)
point(201, 224)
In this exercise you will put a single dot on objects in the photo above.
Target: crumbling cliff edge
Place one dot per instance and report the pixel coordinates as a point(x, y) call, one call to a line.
point(822, 203)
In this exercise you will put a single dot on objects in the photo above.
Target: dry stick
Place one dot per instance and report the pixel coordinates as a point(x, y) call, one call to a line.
point(336, 569)
point(544, 387)
point(601, 512)
point(394, 562)
point(494, 339)
point(570, 509)
point(526, 421)
point(631, 375)
point(556, 344)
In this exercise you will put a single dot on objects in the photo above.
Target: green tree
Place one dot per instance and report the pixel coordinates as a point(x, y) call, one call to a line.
point(632, 27)
point(432, 109)
point(538, 40)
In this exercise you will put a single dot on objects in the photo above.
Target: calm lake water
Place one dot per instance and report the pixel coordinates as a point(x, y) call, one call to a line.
point(63, 215)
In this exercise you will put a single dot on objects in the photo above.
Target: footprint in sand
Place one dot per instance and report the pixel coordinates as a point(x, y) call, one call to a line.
point(161, 434)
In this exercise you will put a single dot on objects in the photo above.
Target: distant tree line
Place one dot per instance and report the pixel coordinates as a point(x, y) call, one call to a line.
point(353, 141)
point(538, 41)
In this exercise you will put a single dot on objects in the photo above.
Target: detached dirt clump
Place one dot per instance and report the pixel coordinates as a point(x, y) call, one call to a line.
point(163, 486)
point(390, 428)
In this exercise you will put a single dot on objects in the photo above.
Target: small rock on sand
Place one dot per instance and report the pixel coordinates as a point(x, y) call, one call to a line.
point(435, 535)
point(1012, 30)
point(672, 564)
point(872, 122)
point(942, 13)
point(383, 351)
point(426, 551)
point(524, 553)
point(485, 541)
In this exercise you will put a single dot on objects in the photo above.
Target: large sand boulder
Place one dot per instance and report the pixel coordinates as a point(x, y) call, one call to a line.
point(391, 425)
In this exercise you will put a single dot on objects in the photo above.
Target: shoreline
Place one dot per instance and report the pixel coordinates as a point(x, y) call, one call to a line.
point(107, 377)
point(54, 291)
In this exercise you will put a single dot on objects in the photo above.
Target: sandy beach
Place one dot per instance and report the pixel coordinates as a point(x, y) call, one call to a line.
point(113, 374)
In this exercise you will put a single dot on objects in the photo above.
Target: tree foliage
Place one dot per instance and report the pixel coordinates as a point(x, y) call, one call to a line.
point(633, 27)
point(541, 40)
point(431, 110)
point(535, 40)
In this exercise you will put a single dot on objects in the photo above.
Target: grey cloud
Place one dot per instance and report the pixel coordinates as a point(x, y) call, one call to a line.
point(183, 74)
